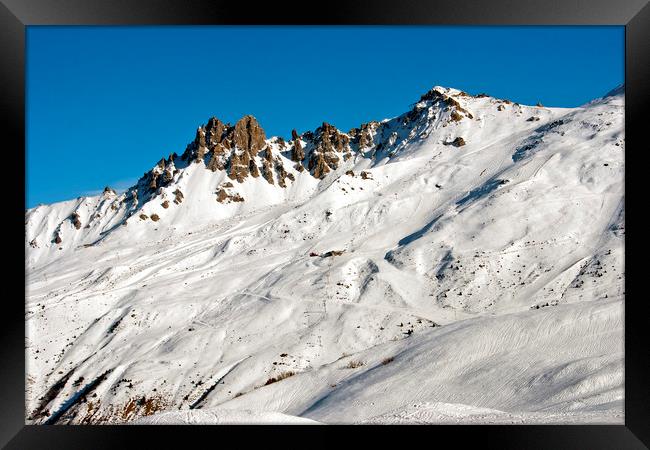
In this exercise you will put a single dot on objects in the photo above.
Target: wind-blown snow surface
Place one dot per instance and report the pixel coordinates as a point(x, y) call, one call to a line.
point(481, 283)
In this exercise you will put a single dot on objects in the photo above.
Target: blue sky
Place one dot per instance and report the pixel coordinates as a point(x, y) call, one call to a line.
point(104, 104)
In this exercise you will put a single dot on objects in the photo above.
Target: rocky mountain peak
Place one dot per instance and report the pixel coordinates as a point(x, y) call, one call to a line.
point(328, 146)
point(248, 135)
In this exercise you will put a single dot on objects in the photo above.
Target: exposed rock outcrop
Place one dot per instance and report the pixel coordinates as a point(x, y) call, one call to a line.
point(243, 151)
point(178, 196)
point(328, 146)
point(458, 142)
point(267, 166)
point(76, 220)
point(224, 196)
point(297, 152)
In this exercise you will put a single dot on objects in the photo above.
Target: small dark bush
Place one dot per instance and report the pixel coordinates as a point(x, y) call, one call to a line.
point(354, 364)
point(280, 377)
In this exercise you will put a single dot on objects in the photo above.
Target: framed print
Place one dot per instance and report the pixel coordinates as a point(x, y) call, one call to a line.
point(350, 218)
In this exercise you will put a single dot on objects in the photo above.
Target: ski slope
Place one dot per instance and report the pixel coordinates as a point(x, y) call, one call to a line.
point(481, 283)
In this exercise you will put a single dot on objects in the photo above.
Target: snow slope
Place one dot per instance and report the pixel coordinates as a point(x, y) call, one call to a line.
point(481, 282)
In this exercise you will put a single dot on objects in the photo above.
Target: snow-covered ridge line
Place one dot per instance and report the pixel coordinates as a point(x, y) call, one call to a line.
point(242, 152)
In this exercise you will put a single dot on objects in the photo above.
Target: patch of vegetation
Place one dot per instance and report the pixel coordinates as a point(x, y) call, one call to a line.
point(353, 364)
point(280, 377)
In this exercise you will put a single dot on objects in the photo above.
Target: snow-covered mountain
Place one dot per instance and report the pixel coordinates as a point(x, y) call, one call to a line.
point(462, 262)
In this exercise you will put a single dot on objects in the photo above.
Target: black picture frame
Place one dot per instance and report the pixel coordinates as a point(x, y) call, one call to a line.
point(15, 15)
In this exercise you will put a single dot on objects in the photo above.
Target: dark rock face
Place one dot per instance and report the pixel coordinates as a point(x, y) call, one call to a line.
point(328, 144)
point(249, 135)
point(76, 220)
point(282, 173)
point(458, 142)
point(230, 148)
point(238, 167)
point(253, 169)
point(224, 197)
point(455, 116)
point(362, 136)
point(267, 166)
point(178, 196)
point(297, 152)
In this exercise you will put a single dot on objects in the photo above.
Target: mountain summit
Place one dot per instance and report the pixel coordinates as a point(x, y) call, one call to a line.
point(460, 262)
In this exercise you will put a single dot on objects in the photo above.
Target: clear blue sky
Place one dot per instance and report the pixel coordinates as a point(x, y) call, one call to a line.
point(104, 104)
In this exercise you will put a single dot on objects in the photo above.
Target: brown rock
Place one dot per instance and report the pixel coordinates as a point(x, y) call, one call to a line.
point(238, 167)
point(318, 165)
point(178, 196)
point(214, 131)
point(165, 204)
point(75, 220)
point(364, 135)
point(249, 135)
point(155, 217)
point(222, 195)
point(252, 169)
point(167, 177)
point(267, 166)
point(458, 142)
point(297, 152)
point(216, 158)
point(200, 145)
point(282, 173)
